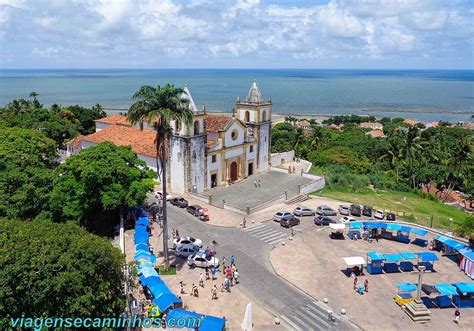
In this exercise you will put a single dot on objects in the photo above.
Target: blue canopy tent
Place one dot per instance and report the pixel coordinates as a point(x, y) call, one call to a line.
point(166, 301)
point(158, 289)
point(211, 323)
point(427, 259)
point(406, 264)
point(465, 296)
point(179, 319)
point(354, 230)
point(420, 241)
point(144, 265)
point(404, 296)
point(150, 280)
point(445, 290)
point(142, 246)
point(391, 261)
point(143, 221)
point(148, 272)
point(450, 246)
point(374, 263)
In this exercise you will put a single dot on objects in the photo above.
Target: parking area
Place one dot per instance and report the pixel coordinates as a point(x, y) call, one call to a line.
point(316, 267)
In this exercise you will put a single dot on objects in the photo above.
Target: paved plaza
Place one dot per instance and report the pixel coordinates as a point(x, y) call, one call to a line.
point(244, 193)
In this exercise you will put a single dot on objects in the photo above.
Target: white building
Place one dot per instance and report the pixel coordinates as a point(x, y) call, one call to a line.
point(215, 151)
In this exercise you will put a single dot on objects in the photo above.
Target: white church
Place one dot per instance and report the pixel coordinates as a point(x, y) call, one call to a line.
point(217, 150)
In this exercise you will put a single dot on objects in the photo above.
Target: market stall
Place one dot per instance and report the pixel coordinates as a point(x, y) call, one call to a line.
point(447, 245)
point(391, 262)
point(354, 264)
point(404, 295)
point(426, 259)
point(338, 230)
point(465, 296)
point(466, 262)
point(374, 263)
point(423, 242)
point(444, 300)
point(354, 230)
point(406, 264)
point(211, 323)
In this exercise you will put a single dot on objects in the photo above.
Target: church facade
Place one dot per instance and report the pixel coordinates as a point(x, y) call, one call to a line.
point(216, 150)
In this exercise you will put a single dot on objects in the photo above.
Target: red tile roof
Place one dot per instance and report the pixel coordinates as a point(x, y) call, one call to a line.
point(370, 124)
point(376, 133)
point(215, 123)
point(114, 119)
point(74, 142)
point(410, 121)
point(142, 142)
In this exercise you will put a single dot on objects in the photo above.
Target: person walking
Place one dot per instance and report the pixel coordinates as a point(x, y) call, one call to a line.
point(244, 222)
point(457, 316)
point(177, 233)
point(201, 279)
point(213, 272)
point(182, 287)
point(259, 183)
point(255, 183)
point(232, 260)
point(223, 260)
point(195, 291)
point(236, 276)
point(214, 292)
point(366, 285)
point(208, 276)
point(355, 283)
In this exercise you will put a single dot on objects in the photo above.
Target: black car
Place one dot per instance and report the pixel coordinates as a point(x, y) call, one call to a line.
point(180, 202)
point(367, 211)
point(195, 210)
point(289, 222)
point(323, 220)
point(390, 217)
point(356, 210)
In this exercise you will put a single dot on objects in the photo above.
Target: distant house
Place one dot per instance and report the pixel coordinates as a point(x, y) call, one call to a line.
point(431, 125)
point(410, 121)
point(371, 125)
point(466, 125)
point(303, 124)
point(335, 127)
point(376, 133)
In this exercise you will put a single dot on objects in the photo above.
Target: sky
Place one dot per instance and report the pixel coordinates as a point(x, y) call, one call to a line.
point(359, 34)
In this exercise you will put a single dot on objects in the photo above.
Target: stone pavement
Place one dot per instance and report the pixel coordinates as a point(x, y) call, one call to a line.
point(244, 193)
point(317, 268)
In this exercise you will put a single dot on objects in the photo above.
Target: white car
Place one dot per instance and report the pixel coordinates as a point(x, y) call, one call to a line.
point(202, 260)
point(347, 219)
point(159, 195)
point(379, 214)
point(186, 241)
point(186, 250)
point(303, 211)
point(344, 210)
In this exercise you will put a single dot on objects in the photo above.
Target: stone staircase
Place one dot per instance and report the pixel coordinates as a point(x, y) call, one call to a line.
point(417, 311)
point(297, 199)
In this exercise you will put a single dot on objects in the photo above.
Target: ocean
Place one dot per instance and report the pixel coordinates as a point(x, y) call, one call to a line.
point(427, 95)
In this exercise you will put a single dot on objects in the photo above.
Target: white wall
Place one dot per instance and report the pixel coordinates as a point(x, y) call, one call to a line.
point(176, 165)
point(264, 146)
point(276, 158)
point(234, 153)
point(214, 166)
point(198, 164)
point(251, 156)
point(251, 111)
point(267, 114)
point(229, 142)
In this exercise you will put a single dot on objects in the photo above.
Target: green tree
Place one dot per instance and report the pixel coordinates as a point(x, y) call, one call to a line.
point(91, 187)
point(57, 270)
point(158, 106)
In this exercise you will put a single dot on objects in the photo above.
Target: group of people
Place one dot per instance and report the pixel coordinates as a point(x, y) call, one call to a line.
point(175, 233)
point(257, 183)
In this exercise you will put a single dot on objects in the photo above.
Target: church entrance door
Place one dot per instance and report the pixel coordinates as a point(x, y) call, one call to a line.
point(233, 171)
point(250, 169)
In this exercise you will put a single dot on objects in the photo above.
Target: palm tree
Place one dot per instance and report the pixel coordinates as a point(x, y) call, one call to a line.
point(158, 106)
point(411, 147)
point(33, 95)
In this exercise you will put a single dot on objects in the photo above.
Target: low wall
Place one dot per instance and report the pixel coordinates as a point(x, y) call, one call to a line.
point(318, 184)
point(276, 158)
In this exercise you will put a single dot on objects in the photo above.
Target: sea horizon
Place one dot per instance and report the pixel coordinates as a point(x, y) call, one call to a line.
point(421, 94)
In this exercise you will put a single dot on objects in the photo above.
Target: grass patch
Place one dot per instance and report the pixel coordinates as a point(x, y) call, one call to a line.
point(162, 271)
point(408, 206)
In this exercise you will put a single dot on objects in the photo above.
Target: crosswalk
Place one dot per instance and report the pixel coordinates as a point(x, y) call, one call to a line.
point(266, 233)
point(308, 317)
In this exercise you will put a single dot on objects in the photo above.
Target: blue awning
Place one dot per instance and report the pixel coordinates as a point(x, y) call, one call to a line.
point(451, 243)
point(419, 232)
point(405, 229)
point(393, 227)
point(393, 257)
point(427, 256)
point(211, 323)
point(159, 289)
point(166, 300)
point(446, 289)
point(151, 280)
point(148, 272)
point(144, 247)
point(188, 319)
point(469, 254)
point(408, 255)
point(375, 257)
point(145, 221)
point(406, 287)
point(465, 287)
point(355, 225)
point(374, 225)
point(441, 238)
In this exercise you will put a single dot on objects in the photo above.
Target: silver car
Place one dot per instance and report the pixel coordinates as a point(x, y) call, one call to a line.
point(344, 210)
point(282, 215)
point(325, 211)
point(303, 211)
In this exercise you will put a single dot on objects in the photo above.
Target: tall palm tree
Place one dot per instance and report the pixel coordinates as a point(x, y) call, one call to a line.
point(157, 107)
point(412, 146)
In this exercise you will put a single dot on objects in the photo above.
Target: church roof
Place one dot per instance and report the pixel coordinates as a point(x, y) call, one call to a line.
point(216, 123)
point(141, 141)
point(254, 95)
point(187, 96)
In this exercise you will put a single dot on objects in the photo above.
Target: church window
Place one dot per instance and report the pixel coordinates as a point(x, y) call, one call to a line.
point(214, 159)
point(234, 134)
point(196, 128)
point(251, 148)
point(247, 117)
point(264, 116)
point(194, 155)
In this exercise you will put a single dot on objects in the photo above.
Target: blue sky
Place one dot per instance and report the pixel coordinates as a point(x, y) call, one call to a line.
point(236, 34)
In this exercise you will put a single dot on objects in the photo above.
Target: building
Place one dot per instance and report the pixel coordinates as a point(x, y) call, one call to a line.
point(216, 150)
point(376, 133)
point(371, 125)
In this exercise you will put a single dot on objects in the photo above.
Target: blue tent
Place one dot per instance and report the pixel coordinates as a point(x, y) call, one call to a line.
point(393, 257)
point(408, 255)
point(465, 287)
point(419, 232)
point(144, 265)
point(166, 300)
point(211, 323)
point(446, 289)
point(469, 254)
point(159, 289)
point(376, 257)
point(428, 256)
point(374, 225)
point(186, 319)
point(150, 281)
point(394, 227)
point(143, 221)
point(356, 225)
point(450, 243)
point(148, 272)
point(144, 247)
point(406, 287)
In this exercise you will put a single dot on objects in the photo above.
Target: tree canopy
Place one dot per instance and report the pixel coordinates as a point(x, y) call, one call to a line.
point(57, 270)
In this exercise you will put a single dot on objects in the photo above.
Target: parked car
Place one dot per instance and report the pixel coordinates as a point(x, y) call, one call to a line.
point(289, 222)
point(202, 260)
point(344, 210)
point(356, 210)
point(379, 214)
point(195, 210)
point(159, 195)
point(187, 240)
point(325, 211)
point(303, 211)
point(180, 202)
point(186, 250)
point(347, 219)
point(390, 217)
point(367, 211)
point(323, 220)
point(282, 215)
